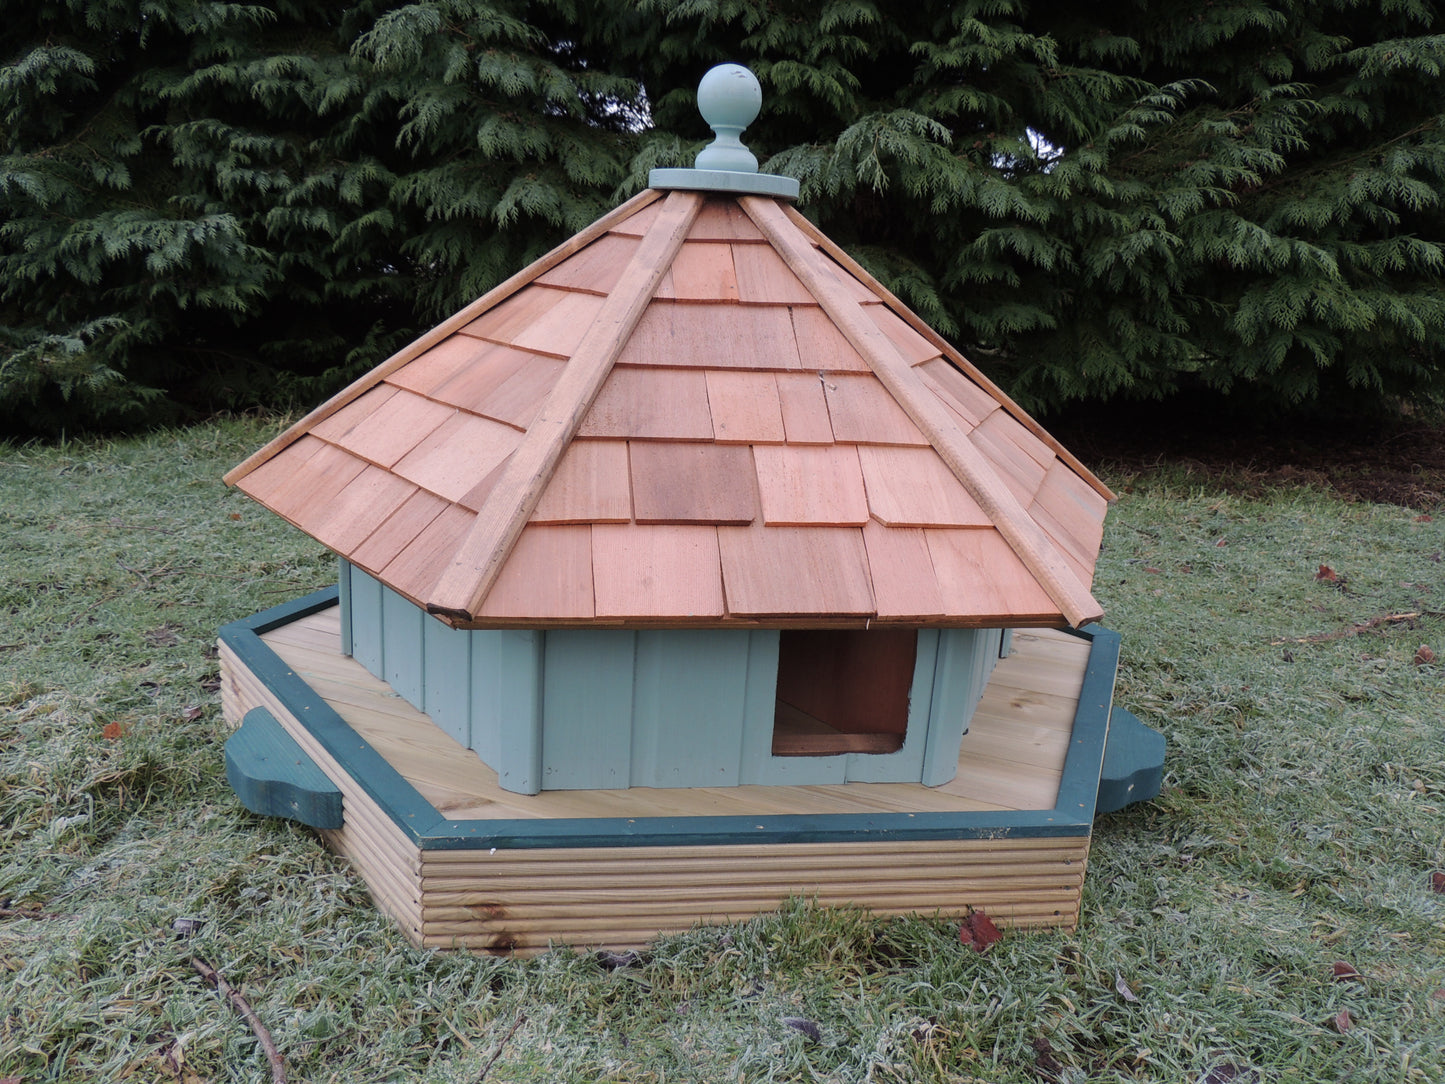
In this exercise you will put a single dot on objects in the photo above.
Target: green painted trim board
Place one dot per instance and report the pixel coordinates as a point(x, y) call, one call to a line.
point(1072, 816)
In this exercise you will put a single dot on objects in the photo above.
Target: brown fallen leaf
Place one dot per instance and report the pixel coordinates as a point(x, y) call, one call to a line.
point(807, 1027)
point(1342, 1021)
point(112, 731)
point(191, 714)
point(1424, 656)
point(1226, 1072)
point(1222, 542)
point(1343, 971)
point(1437, 881)
point(235, 515)
point(1426, 518)
point(1123, 988)
point(978, 932)
point(1327, 574)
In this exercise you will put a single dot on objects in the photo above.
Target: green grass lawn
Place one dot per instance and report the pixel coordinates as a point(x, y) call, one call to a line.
point(1302, 818)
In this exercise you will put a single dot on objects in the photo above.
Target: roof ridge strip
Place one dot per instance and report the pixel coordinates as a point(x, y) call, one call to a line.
point(1022, 534)
point(448, 327)
point(951, 352)
point(463, 586)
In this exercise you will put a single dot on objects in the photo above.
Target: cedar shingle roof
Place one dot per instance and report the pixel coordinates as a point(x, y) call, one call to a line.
point(696, 412)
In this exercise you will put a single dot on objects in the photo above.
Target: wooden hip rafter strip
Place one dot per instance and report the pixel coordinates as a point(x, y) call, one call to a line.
point(463, 586)
point(1023, 535)
point(953, 356)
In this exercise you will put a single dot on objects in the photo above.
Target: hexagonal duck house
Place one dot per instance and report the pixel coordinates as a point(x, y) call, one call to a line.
point(675, 575)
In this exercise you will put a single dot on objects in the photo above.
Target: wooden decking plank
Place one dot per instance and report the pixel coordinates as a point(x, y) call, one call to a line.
point(803, 486)
point(675, 482)
point(659, 571)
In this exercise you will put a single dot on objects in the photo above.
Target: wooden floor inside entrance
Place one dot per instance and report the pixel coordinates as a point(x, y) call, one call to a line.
point(1011, 758)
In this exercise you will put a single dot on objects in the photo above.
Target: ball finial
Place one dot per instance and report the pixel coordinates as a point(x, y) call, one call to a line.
point(729, 98)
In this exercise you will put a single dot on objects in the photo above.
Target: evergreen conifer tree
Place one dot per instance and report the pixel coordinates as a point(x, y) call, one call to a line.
point(198, 200)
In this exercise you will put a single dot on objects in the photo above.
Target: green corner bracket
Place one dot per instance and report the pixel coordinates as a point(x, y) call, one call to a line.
point(1133, 763)
point(274, 777)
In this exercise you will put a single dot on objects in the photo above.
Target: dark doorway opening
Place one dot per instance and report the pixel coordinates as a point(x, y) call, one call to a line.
point(843, 691)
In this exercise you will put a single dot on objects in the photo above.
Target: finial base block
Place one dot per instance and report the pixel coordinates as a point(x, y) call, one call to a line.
point(721, 180)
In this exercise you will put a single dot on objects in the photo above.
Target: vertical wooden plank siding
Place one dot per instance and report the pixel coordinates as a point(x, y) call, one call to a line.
point(582, 709)
point(906, 765)
point(516, 698)
point(689, 703)
point(587, 709)
point(401, 647)
point(953, 698)
point(447, 679)
point(343, 596)
point(366, 621)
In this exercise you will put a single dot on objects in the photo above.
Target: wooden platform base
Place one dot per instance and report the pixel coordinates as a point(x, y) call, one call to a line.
point(459, 862)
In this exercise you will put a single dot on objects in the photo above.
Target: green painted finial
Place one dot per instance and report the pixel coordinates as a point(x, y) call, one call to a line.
point(729, 99)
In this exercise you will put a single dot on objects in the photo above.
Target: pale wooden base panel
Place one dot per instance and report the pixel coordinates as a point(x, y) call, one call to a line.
point(520, 901)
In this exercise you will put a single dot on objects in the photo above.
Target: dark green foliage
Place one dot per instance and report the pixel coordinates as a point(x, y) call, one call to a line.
point(207, 202)
point(198, 200)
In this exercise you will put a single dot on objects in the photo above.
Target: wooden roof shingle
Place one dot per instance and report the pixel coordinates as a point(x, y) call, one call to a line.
point(696, 412)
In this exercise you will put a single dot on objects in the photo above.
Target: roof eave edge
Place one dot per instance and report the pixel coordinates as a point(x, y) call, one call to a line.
point(462, 588)
point(447, 327)
point(1024, 537)
point(950, 352)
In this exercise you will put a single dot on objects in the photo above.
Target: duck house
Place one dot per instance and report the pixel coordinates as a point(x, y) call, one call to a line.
point(686, 571)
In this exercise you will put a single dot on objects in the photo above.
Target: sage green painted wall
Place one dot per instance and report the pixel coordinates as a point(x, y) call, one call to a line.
point(569, 709)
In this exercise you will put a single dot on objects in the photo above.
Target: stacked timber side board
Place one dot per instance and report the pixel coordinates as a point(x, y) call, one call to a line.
point(458, 862)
